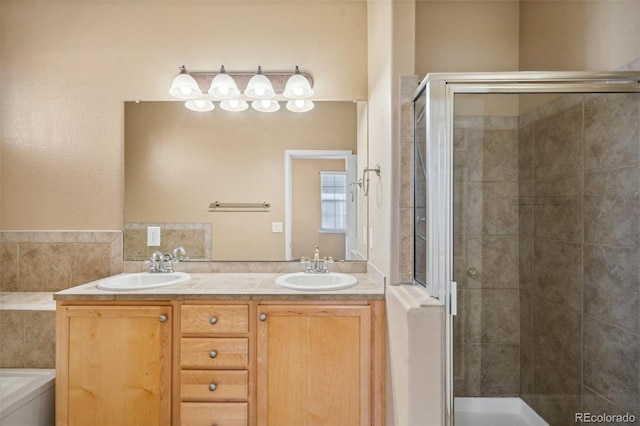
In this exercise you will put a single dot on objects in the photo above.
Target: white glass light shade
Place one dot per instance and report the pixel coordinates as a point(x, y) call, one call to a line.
point(297, 86)
point(184, 86)
point(265, 105)
point(223, 86)
point(234, 105)
point(300, 105)
point(200, 105)
point(259, 87)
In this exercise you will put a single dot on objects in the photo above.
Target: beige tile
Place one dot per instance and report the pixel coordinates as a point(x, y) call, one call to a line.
point(492, 154)
point(16, 236)
point(135, 244)
point(40, 339)
point(557, 211)
point(493, 370)
point(193, 241)
point(556, 398)
point(406, 240)
point(525, 264)
point(12, 339)
point(612, 285)
point(612, 131)
point(496, 259)
point(557, 146)
point(493, 316)
point(406, 175)
point(491, 208)
point(594, 403)
point(611, 206)
point(612, 363)
point(460, 370)
point(557, 340)
point(525, 153)
point(558, 272)
point(44, 267)
point(9, 269)
point(89, 262)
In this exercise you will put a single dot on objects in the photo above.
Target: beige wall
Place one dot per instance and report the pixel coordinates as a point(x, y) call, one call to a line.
point(458, 36)
point(179, 161)
point(579, 35)
point(380, 190)
point(67, 68)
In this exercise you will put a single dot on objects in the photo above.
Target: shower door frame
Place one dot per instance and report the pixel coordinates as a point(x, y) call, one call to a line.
point(440, 90)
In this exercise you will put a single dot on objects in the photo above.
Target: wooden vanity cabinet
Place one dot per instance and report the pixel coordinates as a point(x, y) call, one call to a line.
point(231, 363)
point(113, 365)
point(319, 364)
point(214, 364)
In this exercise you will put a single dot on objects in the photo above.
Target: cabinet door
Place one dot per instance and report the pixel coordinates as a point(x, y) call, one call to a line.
point(314, 365)
point(114, 365)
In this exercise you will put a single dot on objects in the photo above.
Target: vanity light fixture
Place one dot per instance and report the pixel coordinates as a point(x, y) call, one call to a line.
point(234, 90)
point(223, 86)
point(265, 105)
point(300, 105)
point(260, 86)
point(184, 86)
point(234, 105)
point(297, 86)
point(199, 105)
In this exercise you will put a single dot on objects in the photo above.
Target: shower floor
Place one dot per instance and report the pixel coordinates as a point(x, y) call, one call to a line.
point(495, 412)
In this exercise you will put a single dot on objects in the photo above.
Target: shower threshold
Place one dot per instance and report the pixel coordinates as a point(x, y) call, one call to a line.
point(495, 412)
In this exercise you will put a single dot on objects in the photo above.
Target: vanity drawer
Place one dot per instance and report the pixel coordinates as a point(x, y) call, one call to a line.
point(214, 413)
point(214, 352)
point(214, 319)
point(214, 385)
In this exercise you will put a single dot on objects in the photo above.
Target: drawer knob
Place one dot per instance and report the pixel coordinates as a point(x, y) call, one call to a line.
point(262, 317)
point(213, 387)
point(163, 318)
point(213, 354)
point(213, 320)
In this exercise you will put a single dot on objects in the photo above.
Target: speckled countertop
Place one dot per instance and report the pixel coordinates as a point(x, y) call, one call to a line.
point(226, 286)
point(27, 301)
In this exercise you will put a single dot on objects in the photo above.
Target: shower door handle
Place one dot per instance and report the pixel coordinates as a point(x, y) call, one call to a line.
point(453, 298)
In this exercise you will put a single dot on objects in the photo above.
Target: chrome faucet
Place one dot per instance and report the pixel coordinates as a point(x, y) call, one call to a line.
point(179, 254)
point(317, 265)
point(160, 262)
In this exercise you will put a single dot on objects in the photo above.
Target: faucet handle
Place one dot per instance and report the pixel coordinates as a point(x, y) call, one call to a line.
point(180, 254)
point(304, 259)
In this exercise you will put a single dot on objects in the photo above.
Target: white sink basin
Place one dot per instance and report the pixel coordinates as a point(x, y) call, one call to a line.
point(304, 281)
point(142, 281)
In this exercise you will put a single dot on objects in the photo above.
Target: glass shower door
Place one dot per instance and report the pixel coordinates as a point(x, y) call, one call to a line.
point(420, 194)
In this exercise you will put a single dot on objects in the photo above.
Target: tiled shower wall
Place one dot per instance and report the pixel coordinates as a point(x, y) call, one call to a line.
point(486, 329)
point(573, 308)
point(43, 262)
point(579, 240)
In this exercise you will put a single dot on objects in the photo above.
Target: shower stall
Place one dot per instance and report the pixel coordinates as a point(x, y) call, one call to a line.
point(527, 228)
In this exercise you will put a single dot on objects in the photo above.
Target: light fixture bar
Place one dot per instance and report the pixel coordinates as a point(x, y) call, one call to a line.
point(278, 79)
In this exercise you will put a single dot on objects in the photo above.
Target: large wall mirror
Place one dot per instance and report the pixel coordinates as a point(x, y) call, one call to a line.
point(246, 186)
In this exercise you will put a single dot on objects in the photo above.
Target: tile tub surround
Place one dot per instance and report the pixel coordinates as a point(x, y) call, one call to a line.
point(35, 261)
point(27, 324)
point(579, 256)
point(35, 264)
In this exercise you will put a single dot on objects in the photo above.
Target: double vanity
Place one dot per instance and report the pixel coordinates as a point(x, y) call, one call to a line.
point(221, 349)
